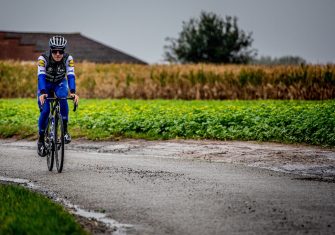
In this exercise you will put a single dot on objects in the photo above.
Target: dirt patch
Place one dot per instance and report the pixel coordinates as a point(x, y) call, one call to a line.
point(296, 159)
point(94, 226)
point(318, 179)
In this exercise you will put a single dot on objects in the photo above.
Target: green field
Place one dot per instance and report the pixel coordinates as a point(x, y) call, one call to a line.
point(25, 212)
point(311, 122)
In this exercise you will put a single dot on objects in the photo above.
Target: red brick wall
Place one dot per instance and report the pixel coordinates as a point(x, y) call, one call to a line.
point(10, 48)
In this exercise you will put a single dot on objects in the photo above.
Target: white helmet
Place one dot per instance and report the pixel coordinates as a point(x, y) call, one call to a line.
point(57, 42)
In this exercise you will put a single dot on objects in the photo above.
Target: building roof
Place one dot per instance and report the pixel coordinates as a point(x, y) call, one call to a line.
point(79, 46)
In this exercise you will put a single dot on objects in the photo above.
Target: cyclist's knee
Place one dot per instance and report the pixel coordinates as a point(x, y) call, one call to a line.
point(62, 94)
point(62, 89)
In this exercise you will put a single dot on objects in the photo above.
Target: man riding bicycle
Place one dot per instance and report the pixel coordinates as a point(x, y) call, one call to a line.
point(55, 76)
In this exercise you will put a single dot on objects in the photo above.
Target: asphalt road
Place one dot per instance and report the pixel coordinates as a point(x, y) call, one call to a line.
point(157, 191)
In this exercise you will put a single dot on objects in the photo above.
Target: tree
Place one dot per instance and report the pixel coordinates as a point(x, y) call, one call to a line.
point(284, 60)
point(210, 39)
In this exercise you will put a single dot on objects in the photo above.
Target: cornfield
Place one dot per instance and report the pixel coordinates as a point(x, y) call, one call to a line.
point(202, 81)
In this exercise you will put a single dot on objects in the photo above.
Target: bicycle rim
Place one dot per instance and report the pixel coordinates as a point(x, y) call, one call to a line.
point(49, 147)
point(59, 143)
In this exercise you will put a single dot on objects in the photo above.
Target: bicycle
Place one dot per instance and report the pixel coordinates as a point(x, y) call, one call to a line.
point(54, 134)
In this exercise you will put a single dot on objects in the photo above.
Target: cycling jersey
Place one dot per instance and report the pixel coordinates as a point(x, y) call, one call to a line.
point(54, 72)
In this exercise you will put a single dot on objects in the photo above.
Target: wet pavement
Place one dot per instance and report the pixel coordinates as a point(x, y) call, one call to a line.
point(188, 187)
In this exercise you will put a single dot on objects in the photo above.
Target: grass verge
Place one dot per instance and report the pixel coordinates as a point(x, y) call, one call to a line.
point(26, 212)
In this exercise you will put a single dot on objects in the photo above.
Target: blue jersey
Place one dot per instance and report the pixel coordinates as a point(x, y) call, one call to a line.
point(51, 71)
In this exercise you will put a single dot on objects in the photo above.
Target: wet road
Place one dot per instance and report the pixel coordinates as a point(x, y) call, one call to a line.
point(151, 186)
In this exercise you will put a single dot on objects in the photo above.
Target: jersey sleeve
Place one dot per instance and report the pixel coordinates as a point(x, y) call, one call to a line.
point(69, 66)
point(41, 73)
point(70, 74)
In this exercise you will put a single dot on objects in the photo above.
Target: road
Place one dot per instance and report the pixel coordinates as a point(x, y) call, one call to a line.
point(189, 187)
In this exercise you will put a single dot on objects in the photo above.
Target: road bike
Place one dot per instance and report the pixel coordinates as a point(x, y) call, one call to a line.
point(54, 134)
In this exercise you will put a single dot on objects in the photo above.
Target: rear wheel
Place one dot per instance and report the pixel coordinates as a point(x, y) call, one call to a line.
point(59, 142)
point(48, 140)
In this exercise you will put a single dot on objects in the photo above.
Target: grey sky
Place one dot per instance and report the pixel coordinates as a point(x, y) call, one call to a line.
point(139, 28)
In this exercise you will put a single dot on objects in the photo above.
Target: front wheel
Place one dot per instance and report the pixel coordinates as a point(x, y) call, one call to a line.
point(49, 143)
point(59, 142)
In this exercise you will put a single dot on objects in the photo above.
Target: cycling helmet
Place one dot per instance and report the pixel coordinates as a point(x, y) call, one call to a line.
point(57, 42)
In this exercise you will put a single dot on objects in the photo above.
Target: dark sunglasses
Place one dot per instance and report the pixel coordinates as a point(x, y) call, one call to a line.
point(61, 52)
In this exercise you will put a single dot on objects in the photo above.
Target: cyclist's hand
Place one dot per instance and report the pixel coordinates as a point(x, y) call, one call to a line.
point(76, 98)
point(42, 98)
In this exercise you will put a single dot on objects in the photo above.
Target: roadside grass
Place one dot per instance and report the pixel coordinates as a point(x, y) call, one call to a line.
point(287, 121)
point(26, 212)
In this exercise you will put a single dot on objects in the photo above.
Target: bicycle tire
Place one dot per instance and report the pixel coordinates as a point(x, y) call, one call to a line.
point(49, 143)
point(59, 142)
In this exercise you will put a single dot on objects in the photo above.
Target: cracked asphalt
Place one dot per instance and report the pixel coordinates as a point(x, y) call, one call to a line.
point(190, 187)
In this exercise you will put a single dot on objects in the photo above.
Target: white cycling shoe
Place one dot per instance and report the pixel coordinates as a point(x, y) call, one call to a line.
point(67, 138)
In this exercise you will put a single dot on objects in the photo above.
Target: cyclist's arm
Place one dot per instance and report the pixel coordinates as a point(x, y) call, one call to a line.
point(71, 78)
point(41, 74)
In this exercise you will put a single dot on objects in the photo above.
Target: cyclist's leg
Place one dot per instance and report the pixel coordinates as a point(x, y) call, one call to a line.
point(44, 113)
point(42, 123)
point(61, 91)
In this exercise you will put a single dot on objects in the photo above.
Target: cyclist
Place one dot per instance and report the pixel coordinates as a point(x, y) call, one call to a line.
point(55, 76)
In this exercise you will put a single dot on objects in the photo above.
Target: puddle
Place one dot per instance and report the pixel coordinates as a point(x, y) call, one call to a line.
point(118, 228)
point(13, 180)
point(113, 225)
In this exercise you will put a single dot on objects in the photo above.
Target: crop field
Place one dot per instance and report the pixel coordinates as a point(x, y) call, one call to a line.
point(188, 82)
point(311, 122)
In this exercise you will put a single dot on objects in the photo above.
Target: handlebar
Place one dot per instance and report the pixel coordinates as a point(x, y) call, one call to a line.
point(65, 98)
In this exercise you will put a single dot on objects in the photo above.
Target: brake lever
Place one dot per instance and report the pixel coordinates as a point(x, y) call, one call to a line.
point(75, 107)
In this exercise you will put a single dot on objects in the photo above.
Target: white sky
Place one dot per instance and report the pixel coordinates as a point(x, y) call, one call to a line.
point(303, 28)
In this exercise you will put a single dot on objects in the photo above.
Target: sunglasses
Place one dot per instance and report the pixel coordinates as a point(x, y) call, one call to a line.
point(61, 52)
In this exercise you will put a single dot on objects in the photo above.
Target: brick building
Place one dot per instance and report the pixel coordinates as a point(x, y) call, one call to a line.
point(28, 46)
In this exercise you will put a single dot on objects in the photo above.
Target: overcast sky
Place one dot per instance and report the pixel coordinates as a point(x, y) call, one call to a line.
point(303, 28)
